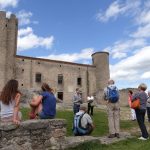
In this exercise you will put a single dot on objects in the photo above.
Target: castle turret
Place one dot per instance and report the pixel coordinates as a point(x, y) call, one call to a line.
point(101, 61)
point(8, 46)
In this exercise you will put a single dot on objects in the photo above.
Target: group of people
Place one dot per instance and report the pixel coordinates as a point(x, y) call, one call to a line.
point(111, 95)
point(44, 106)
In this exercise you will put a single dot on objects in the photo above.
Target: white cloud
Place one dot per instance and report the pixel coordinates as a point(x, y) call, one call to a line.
point(142, 32)
point(24, 32)
point(120, 49)
point(119, 55)
point(25, 18)
point(143, 22)
point(8, 3)
point(83, 56)
point(27, 40)
point(118, 8)
point(133, 67)
point(146, 75)
point(144, 16)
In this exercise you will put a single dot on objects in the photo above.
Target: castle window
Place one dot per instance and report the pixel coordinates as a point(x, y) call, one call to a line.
point(38, 77)
point(6, 25)
point(22, 70)
point(79, 81)
point(38, 62)
point(21, 84)
point(60, 65)
point(60, 95)
point(60, 79)
point(22, 59)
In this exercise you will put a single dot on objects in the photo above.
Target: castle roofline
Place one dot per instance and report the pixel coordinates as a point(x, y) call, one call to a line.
point(3, 15)
point(100, 53)
point(54, 61)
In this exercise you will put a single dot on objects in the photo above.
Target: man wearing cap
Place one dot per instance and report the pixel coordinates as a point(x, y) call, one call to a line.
point(85, 126)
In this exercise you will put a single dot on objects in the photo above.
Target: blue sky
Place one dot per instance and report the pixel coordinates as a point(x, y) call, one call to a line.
point(71, 30)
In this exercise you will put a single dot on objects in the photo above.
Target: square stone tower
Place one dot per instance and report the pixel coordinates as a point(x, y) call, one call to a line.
point(8, 46)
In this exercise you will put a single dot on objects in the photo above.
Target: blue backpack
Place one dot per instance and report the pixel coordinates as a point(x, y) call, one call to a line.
point(113, 95)
point(77, 128)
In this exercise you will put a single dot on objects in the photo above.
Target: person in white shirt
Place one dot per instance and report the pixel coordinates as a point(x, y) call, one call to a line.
point(90, 100)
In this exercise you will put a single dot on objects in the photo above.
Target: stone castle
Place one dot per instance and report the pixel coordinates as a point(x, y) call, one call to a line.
point(63, 76)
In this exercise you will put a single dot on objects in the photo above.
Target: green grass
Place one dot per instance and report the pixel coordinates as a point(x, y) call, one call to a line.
point(101, 128)
point(129, 144)
point(99, 119)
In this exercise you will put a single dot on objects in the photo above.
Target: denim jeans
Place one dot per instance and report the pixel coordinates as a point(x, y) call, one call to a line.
point(76, 108)
point(43, 116)
point(148, 113)
point(140, 115)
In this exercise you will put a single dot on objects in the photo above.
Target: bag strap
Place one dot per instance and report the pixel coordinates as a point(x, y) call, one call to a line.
point(80, 126)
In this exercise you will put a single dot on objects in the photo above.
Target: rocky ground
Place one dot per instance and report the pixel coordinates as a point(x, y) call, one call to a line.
point(75, 141)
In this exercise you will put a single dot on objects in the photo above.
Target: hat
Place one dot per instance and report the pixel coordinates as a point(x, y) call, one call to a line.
point(83, 106)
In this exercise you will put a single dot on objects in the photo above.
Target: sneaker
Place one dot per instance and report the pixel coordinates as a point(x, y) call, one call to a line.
point(142, 138)
point(117, 135)
point(111, 136)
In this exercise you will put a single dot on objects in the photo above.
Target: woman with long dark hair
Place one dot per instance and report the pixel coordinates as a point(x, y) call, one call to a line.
point(9, 101)
point(45, 104)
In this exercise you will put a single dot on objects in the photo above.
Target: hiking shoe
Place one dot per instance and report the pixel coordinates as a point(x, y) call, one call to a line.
point(111, 136)
point(142, 138)
point(117, 135)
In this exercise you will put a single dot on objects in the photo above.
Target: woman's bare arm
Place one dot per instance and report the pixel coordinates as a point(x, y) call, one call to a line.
point(16, 109)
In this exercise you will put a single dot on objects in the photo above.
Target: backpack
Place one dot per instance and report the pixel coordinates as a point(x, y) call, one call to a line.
point(113, 95)
point(77, 128)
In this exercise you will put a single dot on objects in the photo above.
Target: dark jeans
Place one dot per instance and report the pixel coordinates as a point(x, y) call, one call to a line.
point(43, 116)
point(140, 115)
point(88, 130)
point(76, 108)
point(90, 109)
point(148, 113)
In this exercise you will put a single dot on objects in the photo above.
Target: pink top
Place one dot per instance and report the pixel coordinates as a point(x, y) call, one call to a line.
point(129, 100)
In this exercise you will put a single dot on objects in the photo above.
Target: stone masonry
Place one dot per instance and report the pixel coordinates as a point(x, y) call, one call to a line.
point(63, 77)
point(33, 134)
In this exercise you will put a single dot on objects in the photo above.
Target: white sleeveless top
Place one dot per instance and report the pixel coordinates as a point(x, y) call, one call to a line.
point(7, 110)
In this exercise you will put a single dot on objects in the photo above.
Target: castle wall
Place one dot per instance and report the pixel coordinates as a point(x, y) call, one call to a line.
point(33, 134)
point(12, 30)
point(101, 61)
point(8, 42)
point(27, 68)
point(3, 48)
point(89, 78)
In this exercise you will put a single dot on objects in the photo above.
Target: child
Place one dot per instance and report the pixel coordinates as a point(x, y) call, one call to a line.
point(9, 102)
point(133, 115)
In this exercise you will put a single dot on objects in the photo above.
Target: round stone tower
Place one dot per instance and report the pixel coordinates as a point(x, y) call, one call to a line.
point(101, 61)
point(8, 46)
